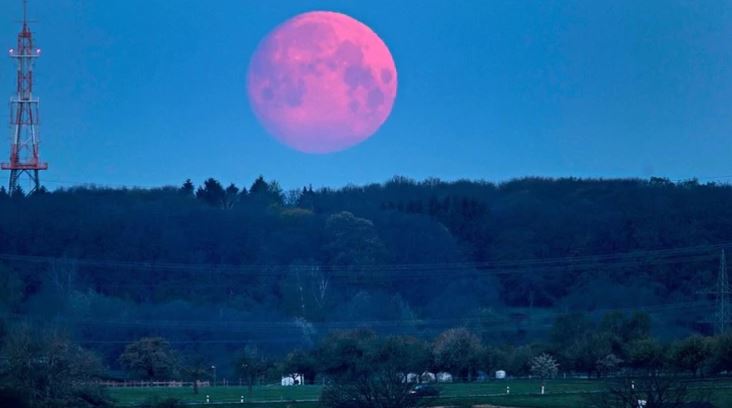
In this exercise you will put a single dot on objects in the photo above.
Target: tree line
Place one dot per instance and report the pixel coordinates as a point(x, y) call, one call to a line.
point(256, 264)
point(618, 343)
point(42, 367)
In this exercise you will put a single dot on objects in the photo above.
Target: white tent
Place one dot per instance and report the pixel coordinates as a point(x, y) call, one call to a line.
point(444, 377)
point(427, 377)
point(292, 379)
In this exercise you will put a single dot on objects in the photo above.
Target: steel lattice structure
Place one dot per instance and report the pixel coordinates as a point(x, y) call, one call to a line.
point(722, 296)
point(24, 136)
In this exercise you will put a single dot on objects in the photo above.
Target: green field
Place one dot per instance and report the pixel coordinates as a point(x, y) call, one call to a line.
point(523, 393)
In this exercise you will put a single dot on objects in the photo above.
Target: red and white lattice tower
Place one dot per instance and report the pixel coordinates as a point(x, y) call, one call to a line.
point(24, 136)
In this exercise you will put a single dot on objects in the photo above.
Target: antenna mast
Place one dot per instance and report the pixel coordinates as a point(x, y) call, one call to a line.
point(24, 135)
point(722, 296)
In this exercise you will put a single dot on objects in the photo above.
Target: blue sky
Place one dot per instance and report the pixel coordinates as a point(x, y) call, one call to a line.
point(151, 92)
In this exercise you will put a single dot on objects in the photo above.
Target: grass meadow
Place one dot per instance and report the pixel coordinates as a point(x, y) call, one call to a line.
point(523, 393)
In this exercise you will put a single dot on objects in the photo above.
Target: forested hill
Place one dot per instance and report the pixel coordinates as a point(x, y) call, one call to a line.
point(406, 251)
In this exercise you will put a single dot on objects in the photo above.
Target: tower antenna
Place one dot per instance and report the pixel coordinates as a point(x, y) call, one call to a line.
point(24, 134)
point(721, 292)
point(722, 295)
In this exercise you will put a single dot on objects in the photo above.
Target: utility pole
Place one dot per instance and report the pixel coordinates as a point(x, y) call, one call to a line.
point(24, 137)
point(721, 292)
point(722, 296)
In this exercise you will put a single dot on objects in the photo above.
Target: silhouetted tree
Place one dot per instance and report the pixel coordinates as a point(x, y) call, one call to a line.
point(366, 372)
point(264, 193)
point(18, 193)
point(656, 391)
point(645, 354)
point(187, 189)
point(251, 364)
point(721, 353)
point(690, 354)
point(150, 358)
point(231, 196)
point(45, 369)
point(212, 193)
point(457, 351)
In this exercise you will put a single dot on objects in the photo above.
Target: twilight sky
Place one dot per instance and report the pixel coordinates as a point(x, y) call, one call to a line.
point(150, 92)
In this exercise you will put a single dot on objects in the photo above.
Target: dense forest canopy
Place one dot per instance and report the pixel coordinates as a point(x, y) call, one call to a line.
point(210, 266)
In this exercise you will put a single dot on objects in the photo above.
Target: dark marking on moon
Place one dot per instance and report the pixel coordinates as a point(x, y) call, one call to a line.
point(356, 76)
point(294, 93)
point(386, 76)
point(349, 53)
point(375, 98)
point(354, 106)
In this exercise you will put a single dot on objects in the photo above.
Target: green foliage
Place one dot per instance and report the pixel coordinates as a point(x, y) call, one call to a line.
point(45, 369)
point(690, 354)
point(368, 371)
point(150, 358)
point(410, 354)
point(195, 371)
point(352, 241)
point(399, 253)
point(187, 189)
point(212, 193)
point(721, 353)
point(458, 351)
point(300, 362)
point(252, 364)
point(645, 354)
point(346, 354)
point(620, 329)
point(583, 346)
point(263, 193)
point(608, 365)
point(657, 391)
point(400, 221)
point(11, 290)
point(517, 360)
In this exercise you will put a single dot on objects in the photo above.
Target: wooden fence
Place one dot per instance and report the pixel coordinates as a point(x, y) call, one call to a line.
point(152, 384)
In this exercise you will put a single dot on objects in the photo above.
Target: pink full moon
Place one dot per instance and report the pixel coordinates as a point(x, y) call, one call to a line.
point(322, 82)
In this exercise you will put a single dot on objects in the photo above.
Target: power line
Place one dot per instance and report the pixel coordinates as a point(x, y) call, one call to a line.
point(650, 257)
point(230, 325)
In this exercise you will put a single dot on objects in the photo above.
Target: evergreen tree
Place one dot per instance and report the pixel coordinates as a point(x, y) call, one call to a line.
point(187, 189)
point(212, 193)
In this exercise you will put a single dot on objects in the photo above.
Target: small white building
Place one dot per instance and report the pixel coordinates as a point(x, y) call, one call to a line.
point(412, 378)
point(427, 377)
point(444, 377)
point(500, 375)
point(292, 379)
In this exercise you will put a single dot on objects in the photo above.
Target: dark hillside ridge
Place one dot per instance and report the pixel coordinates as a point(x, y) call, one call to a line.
point(402, 256)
